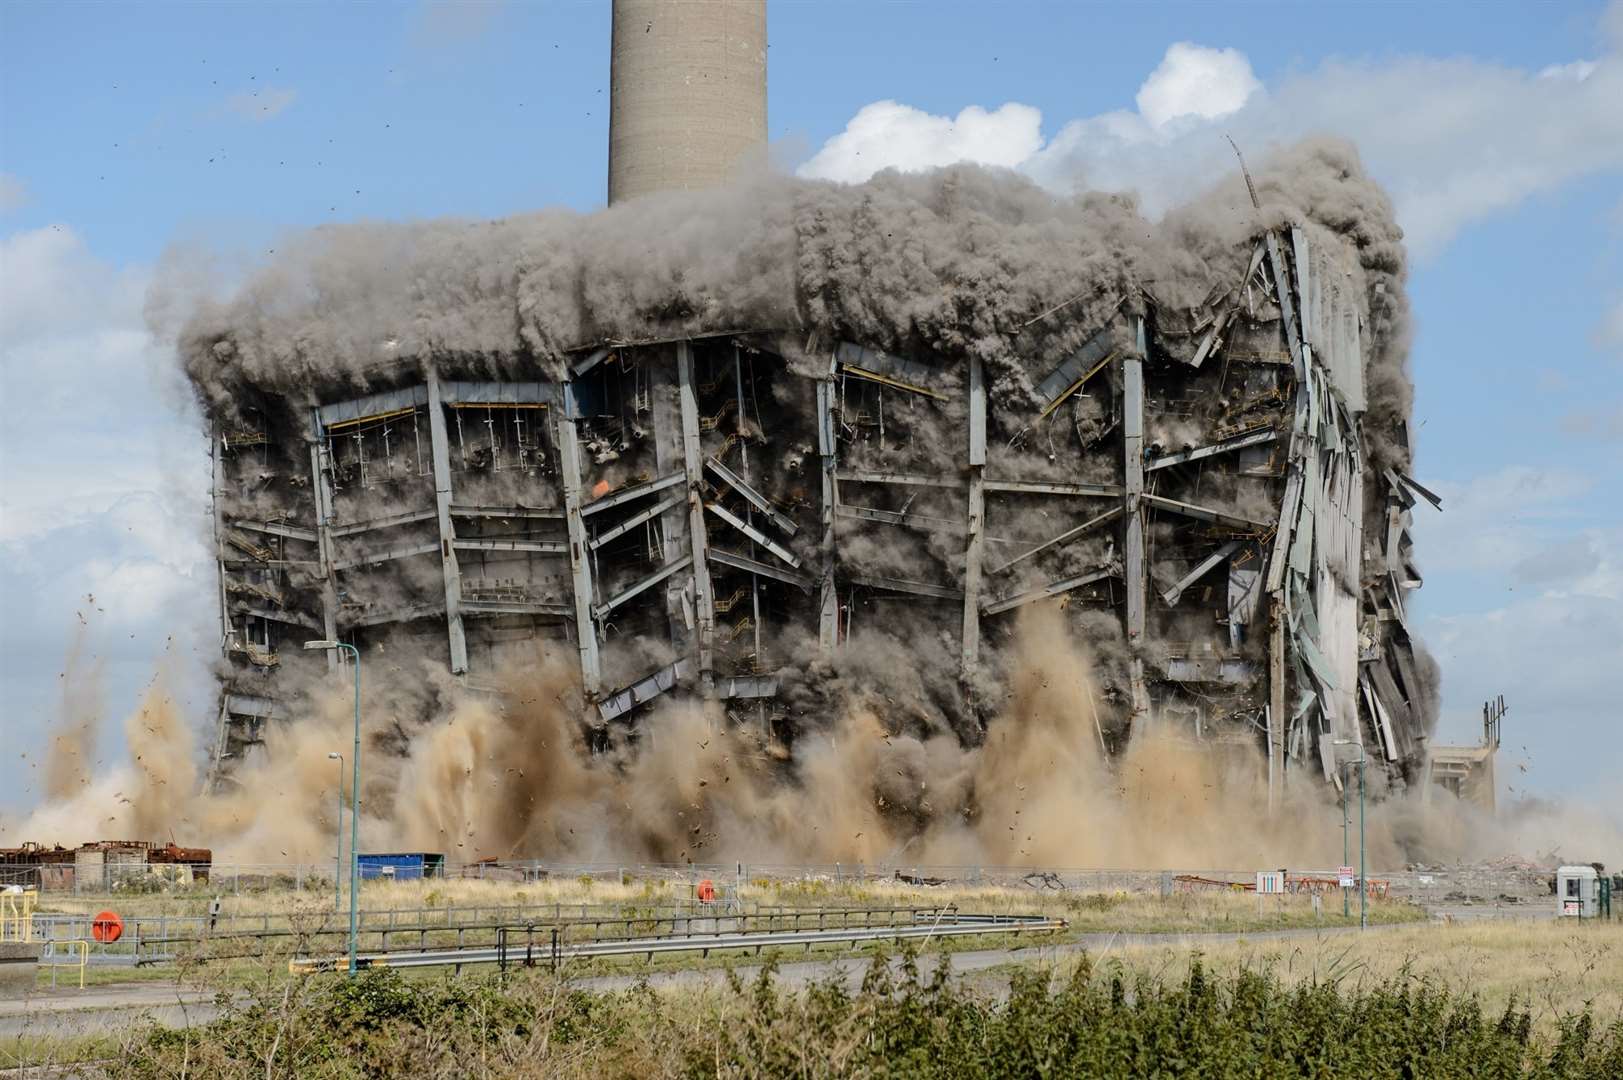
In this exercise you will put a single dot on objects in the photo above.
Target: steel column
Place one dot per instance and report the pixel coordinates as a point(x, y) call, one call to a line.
point(976, 516)
point(1132, 369)
point(321, 489)
point(441, 450)
point(704, 603)
point(580, 567)
point(667, 427)
point(828, 620)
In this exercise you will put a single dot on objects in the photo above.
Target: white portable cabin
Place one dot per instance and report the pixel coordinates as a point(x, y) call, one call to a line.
point(1577, 890)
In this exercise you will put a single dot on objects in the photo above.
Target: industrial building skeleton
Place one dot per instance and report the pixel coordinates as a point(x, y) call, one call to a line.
point(645, 498)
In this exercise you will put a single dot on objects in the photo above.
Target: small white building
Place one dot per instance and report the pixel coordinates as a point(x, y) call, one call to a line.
point(1577, 890)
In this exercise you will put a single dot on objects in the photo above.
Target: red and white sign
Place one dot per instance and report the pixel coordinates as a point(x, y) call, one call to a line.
point(1346, 878)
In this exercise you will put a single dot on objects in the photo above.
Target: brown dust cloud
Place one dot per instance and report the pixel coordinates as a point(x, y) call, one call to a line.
point(510, 775)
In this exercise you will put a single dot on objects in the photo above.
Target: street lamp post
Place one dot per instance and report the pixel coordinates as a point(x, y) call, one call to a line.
point(354, 796)
point(1346, 900)
point(1364, 882)
point(1363, 885)
point(338, 855)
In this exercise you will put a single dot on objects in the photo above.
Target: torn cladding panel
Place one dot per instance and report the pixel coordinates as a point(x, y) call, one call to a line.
point(1195, 483)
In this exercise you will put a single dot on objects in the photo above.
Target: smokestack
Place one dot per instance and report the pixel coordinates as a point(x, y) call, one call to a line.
point(687, 93)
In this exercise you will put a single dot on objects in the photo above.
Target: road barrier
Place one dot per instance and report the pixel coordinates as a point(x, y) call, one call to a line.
point(534, 944)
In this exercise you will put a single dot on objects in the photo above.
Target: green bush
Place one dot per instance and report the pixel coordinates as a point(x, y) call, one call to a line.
point(898, 1023)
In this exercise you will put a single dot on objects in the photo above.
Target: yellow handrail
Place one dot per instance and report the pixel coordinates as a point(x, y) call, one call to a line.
point(81, 963)
point(17, 915)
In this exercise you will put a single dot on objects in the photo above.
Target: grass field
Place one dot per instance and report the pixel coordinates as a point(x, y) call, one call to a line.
point(1086, 911)
point(1370, 1010)
point(1550, 966)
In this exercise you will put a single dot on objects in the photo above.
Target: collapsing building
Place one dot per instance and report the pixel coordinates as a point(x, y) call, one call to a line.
point(782, 443)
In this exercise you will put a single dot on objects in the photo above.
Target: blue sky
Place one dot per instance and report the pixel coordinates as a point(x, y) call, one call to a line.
point(132, 130)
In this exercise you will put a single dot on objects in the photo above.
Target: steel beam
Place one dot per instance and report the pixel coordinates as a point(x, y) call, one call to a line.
point(276, 528)
point(747, 686)
point(1204, 513)
point(554, 513)
point(753, 533)
point(1063, 538)
point(597, 357)
point(1042, 487)
point(1288, 512)
point(441, 447)
point(828, 615)
point(321, 488)
point(383, 555)
point(1074, 371)
point(876, 365)
point(1054, 588)
point(625, 495)
point(755, 498)
point(534, 547)
point(1287, 307)
point(580, 567)
point(637, 519)
point(1231, 671)
point(407, 517)
point(917, 588)
point(665, 420)
point(860, 476)
point(741, 429)
point(704, 600)
point(641, 585)
point(904, 519)
point(471, 608)
point(383, 616)
point(975, 516)
point(1204, 567)
point(285, 617)
point(644, 689)
point(1210, 341)
point(736, 561)
point(1223, 446)
point(1132, 368)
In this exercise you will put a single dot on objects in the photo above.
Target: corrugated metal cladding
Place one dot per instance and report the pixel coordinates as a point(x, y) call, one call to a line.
point(402, 866)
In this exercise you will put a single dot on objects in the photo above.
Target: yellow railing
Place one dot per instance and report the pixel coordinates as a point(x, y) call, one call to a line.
point(17, 915)
point(51, 960)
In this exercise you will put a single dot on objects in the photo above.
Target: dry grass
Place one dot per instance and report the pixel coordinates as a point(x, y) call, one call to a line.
point(1086, 911)
point(1553, 966)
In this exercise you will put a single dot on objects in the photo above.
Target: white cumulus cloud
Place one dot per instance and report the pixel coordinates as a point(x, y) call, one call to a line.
point(887, 135)
point(1196, 81)
point(103, 485)
point(1455, 140)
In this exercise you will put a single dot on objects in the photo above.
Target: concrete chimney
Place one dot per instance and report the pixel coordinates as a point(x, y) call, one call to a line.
point(687, 93)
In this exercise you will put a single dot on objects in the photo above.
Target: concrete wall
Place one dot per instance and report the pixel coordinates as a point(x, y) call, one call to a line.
point(687, 93)
point(19, 964)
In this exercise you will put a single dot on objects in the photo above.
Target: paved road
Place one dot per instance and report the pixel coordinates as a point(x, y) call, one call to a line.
point(66, 1013)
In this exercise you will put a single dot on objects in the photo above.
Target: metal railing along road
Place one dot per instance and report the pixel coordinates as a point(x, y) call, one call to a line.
point(534, 944)
point(427, 928)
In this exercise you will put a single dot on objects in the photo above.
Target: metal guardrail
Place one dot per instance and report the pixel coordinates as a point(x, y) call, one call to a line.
point(51, 958)
point(553, 949)
point(597, 924)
